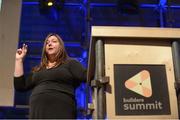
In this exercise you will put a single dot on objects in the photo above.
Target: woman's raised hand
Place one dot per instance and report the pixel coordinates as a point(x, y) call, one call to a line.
point(21, 52)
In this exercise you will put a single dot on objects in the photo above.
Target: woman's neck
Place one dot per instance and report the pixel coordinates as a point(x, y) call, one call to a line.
point(51, 58)
point(51, 64)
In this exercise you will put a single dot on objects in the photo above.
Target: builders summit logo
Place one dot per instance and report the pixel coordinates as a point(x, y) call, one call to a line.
point(141, 90)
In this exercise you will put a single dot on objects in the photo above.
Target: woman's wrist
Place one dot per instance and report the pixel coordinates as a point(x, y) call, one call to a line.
point(18, 68)
point(19, 60)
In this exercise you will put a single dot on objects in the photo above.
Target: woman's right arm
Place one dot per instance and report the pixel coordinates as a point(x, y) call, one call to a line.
point(20, 55)
point(20, 82)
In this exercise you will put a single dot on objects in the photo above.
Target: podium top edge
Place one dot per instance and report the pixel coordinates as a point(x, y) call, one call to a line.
point(144, 32)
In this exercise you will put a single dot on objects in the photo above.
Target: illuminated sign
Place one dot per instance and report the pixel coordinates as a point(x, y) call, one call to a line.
point(141, 90)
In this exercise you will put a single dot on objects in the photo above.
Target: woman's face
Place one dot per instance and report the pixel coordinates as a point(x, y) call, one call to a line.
point(52, 46)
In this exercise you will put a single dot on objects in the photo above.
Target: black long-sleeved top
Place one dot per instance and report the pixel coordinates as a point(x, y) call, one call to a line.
point(64, 78)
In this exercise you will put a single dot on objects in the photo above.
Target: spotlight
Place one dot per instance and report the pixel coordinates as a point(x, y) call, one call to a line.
point(50, 3)
point(46, 5)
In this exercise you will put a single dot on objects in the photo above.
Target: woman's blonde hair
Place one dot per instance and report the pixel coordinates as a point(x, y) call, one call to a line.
point(61, 56)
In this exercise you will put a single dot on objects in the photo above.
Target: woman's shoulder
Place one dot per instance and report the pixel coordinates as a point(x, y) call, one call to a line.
point(72, 61)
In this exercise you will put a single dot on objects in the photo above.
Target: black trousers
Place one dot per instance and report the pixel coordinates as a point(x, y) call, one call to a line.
point(52, 105)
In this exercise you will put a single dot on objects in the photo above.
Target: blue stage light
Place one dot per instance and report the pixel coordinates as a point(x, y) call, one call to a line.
point(84, 54)
point(162, 2)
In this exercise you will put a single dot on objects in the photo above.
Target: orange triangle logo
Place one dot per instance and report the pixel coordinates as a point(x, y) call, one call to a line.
point(140, 83)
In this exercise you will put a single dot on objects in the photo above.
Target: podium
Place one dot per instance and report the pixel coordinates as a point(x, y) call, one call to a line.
point(134, 72)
